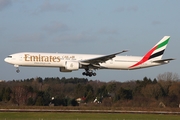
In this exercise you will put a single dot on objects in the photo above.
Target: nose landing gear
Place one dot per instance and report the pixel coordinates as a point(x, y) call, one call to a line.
point(17, 68)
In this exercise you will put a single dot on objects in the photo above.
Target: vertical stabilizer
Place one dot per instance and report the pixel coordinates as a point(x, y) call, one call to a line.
point(156, 52)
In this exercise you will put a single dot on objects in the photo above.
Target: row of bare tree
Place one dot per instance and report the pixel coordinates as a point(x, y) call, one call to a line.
point(164, 91)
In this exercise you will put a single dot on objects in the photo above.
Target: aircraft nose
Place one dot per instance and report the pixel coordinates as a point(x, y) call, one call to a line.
point(6, 59)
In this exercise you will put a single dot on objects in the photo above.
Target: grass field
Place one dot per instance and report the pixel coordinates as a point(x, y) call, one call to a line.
point(83, 116)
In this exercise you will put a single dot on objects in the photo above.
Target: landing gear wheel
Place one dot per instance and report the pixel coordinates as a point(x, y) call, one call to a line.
point(89, 73)
point(17, 70)
point(94, 74)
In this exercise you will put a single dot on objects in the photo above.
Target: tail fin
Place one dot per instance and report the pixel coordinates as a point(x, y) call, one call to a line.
point(156, 52)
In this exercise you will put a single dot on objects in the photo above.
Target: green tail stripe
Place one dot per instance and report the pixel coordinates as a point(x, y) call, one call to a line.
point(163, 43)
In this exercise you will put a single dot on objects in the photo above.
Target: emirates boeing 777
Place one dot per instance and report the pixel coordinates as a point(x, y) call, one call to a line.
point(90, 63)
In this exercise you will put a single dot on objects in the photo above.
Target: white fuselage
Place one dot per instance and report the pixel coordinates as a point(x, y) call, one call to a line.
point(33, 59)
point(88, 62)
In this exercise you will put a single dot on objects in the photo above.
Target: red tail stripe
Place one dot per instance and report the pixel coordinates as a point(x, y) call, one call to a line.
point(145, 58)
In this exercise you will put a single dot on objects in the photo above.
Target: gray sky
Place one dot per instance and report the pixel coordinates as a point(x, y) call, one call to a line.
point(88, 26)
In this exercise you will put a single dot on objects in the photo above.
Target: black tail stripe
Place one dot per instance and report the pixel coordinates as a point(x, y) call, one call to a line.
point(157, 54)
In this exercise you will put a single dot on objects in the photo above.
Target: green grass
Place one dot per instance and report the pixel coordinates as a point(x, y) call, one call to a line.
point(83, 116)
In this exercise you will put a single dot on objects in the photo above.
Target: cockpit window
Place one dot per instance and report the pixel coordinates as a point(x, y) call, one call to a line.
point(9, 56)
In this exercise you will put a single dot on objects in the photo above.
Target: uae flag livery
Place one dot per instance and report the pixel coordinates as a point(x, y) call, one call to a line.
point(155, 53)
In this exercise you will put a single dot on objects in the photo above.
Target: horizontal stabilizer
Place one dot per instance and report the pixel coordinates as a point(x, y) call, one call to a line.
point(164, 60)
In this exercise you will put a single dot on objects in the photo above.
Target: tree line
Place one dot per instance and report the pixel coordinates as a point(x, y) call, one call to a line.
point(163, 91)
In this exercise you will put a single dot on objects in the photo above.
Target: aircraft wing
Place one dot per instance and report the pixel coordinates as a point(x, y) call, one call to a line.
point(163, 60)
point(96, 61)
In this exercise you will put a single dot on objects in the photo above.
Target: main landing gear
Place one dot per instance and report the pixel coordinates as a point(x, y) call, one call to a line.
point(89, 73)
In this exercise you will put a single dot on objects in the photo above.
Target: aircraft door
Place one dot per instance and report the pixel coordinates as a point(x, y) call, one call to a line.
point(20, 57)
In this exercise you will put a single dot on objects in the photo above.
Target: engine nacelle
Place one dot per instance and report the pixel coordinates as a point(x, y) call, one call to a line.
point(62, 69)
point(70, 66)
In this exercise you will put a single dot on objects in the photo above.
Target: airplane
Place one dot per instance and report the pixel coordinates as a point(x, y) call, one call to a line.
point(89, 62)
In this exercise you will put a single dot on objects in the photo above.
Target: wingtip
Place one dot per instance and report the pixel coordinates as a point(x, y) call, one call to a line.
point(125, 51)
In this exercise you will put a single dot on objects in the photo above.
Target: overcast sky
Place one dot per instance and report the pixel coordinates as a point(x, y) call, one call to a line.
point(88, 26)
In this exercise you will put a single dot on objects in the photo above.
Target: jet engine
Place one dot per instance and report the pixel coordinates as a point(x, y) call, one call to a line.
point(70, 66)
